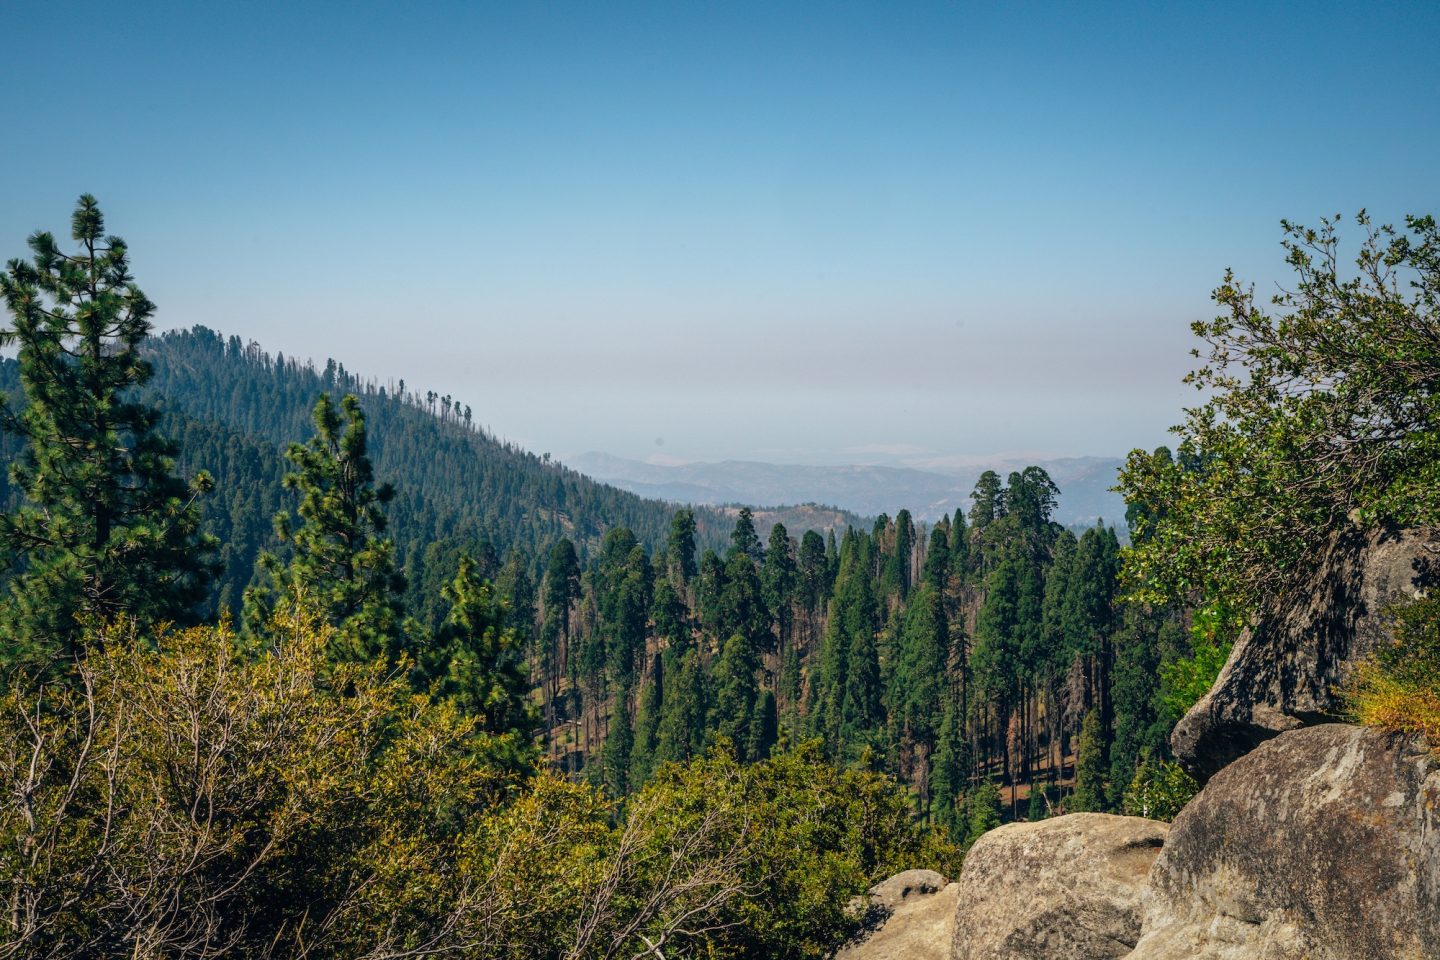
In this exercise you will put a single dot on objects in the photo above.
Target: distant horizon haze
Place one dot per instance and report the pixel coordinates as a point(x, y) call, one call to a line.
point(794, 233)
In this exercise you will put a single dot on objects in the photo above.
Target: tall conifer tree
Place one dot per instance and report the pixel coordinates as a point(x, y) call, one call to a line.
point(733, 707)
point(647, 721)
point(681, 547)
point(777, 577)
point(476, 660)
point(744, 539)
point(341, 560)
point(684, 708)
point(106, 528)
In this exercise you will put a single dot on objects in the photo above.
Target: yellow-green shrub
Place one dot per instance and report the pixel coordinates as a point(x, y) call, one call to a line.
point(183, 796)
point(1398, 688)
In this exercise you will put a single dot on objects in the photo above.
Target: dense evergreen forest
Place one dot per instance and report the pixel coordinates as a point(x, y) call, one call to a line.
point(987, 660)
point(954, 657)
point(326, 771)
point(232, 408)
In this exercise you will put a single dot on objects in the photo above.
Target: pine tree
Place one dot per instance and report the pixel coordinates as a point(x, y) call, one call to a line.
point(853, 619)
point(647, 723)
point(996, 648)
point(764, 728)
point(898, 573)
point(709, 593)
point(813, 579)
point(1089, 604)
point(623, 580)
point(789, 689)
point(742, 608)
point(561, 585)
point(917, 684)
point(106, 528)
point(777, 578)
point(988, 500)
point(559, 589)
point(515, 587)
point(1030, 497)
point(1142, 724)
point(684, 709)
point(671, 618)
point(744, 539)
point(950, 771)
point(862, 710)
point(476, 661)
point(1057, 590)
point(959, 546)
point(615, 754)
point(937, 560)
point(982, 812)
point(340, 561)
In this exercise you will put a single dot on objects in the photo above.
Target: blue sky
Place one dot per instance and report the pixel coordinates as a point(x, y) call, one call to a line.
point(804, 232)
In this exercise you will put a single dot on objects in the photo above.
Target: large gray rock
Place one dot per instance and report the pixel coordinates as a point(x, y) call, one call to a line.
point(1321, 844)
point(1282, 674)
point(1061, 889)
point(917, 911)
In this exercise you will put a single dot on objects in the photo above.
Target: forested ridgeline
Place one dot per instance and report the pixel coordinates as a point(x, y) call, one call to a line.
point(956, 658)
point(744, 731)
point(232, 408)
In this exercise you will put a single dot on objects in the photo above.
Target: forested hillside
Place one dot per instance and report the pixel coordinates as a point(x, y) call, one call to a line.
point(232, 409)
point(337, 771)
point(747, 727)
point(954, 656)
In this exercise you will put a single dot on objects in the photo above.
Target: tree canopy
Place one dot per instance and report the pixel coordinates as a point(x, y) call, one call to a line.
point(1321, 409)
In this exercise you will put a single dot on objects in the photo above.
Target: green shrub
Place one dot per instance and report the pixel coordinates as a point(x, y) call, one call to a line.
point(1212, 635)
point(1159, 791)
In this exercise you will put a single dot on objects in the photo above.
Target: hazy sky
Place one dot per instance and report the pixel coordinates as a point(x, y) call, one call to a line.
point(828, 232)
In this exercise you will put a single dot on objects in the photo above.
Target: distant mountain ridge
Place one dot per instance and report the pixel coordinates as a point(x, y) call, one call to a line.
point(866, 489)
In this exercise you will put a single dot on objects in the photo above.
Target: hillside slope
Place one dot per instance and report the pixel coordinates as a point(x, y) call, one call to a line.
point(233, 408)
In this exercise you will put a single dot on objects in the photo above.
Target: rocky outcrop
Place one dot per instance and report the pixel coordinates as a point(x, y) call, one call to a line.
point(1067, 888)
point(1312, 840)
point(1322, 844)
point(916, 910)
point(1282, 673)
